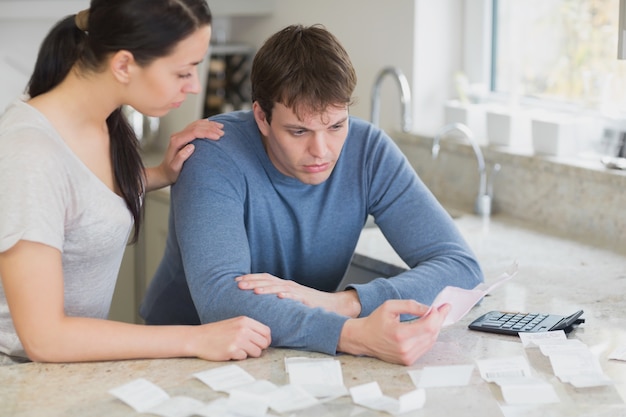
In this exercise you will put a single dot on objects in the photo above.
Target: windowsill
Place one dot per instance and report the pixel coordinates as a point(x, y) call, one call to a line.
point(578, 197)
point(584, 164)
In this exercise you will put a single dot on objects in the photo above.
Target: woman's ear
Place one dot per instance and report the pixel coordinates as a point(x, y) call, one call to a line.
point(121, 65)
point(261, 119)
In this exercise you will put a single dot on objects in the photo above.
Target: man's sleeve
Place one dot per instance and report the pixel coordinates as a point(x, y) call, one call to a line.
point(208, 207)
point(420, 231)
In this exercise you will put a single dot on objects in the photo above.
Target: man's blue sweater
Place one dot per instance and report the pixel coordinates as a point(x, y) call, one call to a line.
point(233, 213)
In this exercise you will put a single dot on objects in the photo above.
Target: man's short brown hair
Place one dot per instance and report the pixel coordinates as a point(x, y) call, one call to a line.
point(304, 68)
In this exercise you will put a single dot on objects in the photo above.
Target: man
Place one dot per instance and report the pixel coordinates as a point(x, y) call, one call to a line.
point(265, 221)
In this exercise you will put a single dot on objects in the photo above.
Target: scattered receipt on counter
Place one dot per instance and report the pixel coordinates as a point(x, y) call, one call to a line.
point(530, 340)
point(321, 377)
point(518, 386)
point(618, 354)
point(369, 395)
point(442, 376)
point(225, 377)
point(145, 397)
point(573, 362)
point(462, 300)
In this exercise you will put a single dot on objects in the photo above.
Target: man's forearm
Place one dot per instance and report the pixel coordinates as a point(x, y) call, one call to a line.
point(348, 303)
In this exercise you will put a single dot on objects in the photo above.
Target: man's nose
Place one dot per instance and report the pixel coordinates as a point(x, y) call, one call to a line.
point(318, 146)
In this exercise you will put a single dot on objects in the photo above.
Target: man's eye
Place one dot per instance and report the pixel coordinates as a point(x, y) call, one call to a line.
point(184, 75)
point(337, 126)
point(298, 132)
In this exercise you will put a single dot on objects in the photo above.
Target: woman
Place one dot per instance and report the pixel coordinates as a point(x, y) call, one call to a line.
point(72, 184)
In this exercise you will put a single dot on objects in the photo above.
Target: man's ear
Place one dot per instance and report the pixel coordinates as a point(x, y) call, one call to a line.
point(261, 119)
point(122, 65)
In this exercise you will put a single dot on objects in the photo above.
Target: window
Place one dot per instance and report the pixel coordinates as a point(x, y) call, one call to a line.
point(559, 53)
point(549, 53)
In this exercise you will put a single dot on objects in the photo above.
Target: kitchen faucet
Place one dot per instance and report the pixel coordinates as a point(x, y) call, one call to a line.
point(405, 97)
point(485, 192)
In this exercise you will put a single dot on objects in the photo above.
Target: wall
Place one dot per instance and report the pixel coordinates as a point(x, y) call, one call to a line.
point(583, 201)
point(19, 43)
point(420, 37)
point(25, 23)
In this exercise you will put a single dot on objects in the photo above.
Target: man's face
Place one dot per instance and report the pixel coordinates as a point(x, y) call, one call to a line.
point(305, 149)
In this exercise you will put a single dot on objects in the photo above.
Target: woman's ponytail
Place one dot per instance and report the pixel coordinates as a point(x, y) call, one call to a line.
point(61, 48)
point(149, 29)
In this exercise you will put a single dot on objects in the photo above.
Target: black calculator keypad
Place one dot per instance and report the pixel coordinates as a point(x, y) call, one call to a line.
point(513, 323)
point(517, 322)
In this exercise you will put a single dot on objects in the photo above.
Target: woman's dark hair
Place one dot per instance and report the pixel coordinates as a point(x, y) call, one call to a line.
point(304, 68)
point(149, 29)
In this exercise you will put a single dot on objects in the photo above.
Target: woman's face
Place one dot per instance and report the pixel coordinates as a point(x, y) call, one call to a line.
point(161, 86)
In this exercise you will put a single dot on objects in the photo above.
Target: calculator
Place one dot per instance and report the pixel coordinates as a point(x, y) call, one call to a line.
point(513, 323)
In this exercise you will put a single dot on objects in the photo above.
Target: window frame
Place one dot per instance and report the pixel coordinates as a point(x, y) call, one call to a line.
point(479, 42)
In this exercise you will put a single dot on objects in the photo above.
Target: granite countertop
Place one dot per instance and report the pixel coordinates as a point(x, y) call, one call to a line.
point(556, 275)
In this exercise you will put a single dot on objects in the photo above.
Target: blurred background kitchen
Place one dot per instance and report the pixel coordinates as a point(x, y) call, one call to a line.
point(463, 60)
point(536, 86)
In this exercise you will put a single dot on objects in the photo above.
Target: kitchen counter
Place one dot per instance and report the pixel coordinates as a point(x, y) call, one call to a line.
point(556, 275)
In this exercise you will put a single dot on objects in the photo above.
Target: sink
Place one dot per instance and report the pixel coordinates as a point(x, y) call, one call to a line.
point(455, 214)
point(364, 269)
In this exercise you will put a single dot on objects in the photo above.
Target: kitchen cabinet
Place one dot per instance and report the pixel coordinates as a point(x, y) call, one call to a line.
point(123, 306)
point(141, 259)
point(154, 236)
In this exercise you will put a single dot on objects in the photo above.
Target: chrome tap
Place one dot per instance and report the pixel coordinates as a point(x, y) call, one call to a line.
point(405, 97)
point(485, 192)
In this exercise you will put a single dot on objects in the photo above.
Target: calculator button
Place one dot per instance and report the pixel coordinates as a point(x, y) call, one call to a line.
point(493, 324)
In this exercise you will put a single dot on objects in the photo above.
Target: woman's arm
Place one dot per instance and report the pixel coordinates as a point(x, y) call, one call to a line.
point(178, 151)
point(34, 292)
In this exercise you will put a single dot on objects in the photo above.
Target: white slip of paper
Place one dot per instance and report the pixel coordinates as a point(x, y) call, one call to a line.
point(369, 395)
point(514, 377)
point(257, 387)
point(291, 398)
point(140, 394)
point(560, 346)
point(223, 407)
point(247, 404)
point(248, 397)
point(225, 377)
point(217, 408)
point(145, 397)
point(462, 300)
point(618, 354)
point(527, 390)
point(572, 361)
point(536, 339)
point(442, 376)
point(233, 379)
point(497, 369)
point(321, 377)
point(578, 367)
point(177, 407)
